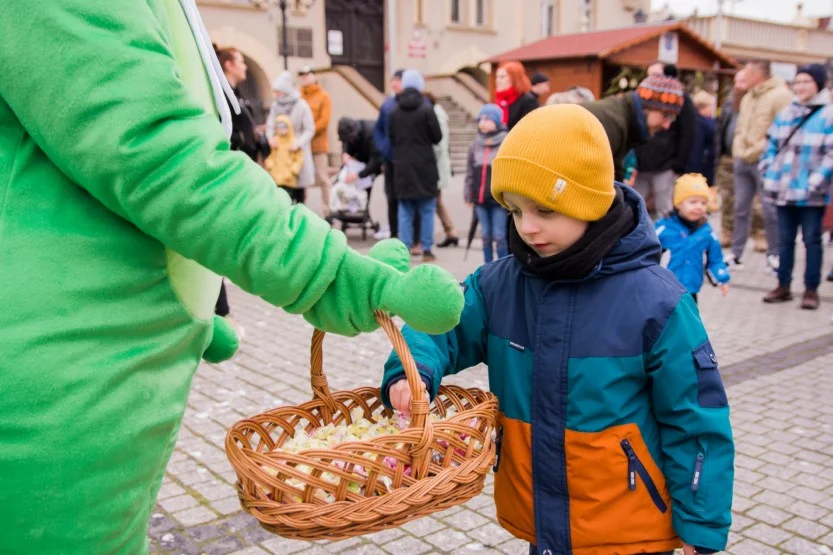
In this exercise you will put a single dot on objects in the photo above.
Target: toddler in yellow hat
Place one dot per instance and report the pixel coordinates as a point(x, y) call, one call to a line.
point(690, 245)
point(592, 349)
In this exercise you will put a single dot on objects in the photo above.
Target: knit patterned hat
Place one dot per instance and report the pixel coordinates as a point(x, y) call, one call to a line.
point(493, 112)
point(691, 185)
point(558, 156)
point(657, 92)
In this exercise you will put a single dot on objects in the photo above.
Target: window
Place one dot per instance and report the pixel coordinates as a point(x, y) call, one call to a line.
point(455, 12)
point(299, 41)
point(480, 16)
point(548, 21)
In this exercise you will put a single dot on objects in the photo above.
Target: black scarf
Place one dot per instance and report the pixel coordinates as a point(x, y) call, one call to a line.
point(691, 225)
point(582, 257)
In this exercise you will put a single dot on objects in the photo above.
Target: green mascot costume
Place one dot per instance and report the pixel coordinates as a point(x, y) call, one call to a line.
point(120, 206)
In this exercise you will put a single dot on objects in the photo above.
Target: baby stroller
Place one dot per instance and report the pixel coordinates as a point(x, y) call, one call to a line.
point(350, 202)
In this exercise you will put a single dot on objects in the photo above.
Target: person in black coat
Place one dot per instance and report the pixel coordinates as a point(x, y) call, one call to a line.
point(414, 129)
point(702, 158)
point(357, 141)
point(665, 155)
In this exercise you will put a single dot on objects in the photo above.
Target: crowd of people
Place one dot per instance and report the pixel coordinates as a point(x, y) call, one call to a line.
point(765, 155)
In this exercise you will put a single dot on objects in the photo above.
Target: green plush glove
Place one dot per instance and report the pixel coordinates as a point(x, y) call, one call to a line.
point(224, 342)
point(427, 297)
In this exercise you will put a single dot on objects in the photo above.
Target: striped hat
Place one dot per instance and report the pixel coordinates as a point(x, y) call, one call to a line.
point(658, 92)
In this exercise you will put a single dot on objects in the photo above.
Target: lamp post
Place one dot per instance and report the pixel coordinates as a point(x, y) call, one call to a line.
point(284, 38)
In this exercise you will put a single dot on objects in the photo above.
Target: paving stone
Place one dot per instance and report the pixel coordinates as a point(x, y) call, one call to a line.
point(767, 534)
point(173, 541)
point(366, 549)
point(466, 520)
point(778, 500)
point(800, 546)
point(739, 522)
point(514, 547)
point(227, 506)
point(423, 526)
point(751, 547)
point(251, 551)
point(229, 544)
point(170, 490)
point(447, 539)
point(385, 536)
point(204, 533)
point(490, 535)
point(807, 510)
point(806, 528)
point(194, 516)
point(768, 514)
point(407, 544)
point(178, 503)
point(279, 545)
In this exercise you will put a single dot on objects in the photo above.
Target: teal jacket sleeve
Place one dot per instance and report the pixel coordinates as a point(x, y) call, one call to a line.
point(99, 91)
point(439, 355)
point(698, 451)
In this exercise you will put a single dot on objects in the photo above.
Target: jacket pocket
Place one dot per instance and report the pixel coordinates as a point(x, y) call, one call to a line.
point(710, 391)
point(618, 494)
point(636, 468)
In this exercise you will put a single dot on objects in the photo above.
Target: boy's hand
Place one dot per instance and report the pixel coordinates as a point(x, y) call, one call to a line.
point(689, 550)
point(400, 396)
point(724, 288)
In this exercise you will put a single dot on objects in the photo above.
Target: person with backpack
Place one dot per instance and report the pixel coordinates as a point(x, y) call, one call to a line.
point(797, 169)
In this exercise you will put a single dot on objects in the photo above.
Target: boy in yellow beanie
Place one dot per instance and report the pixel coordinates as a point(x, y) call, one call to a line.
point(614, 432)
point(690, 245)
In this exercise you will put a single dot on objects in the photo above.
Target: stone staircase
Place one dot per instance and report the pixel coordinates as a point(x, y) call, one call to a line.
point(463, 131)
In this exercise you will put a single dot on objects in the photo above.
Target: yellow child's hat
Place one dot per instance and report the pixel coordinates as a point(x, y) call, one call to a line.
point(691, 185)
point(558, 156)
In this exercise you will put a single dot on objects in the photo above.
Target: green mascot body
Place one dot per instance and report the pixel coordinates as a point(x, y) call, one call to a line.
point(120, 206)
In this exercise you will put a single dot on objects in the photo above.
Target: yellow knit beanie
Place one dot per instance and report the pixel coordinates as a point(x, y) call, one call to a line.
point(691, 185)
point(558, 156)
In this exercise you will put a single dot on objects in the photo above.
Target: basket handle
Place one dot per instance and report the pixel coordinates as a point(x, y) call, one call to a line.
point(419, 402)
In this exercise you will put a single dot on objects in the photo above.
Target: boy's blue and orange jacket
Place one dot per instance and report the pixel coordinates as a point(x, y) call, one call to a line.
point(687, 247)
point(614, 429)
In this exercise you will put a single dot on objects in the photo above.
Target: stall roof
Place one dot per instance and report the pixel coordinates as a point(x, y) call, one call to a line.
point(601, 44)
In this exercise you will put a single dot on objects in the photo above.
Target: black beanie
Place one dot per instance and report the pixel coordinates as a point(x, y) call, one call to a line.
point(817, 71)
point(538, 78)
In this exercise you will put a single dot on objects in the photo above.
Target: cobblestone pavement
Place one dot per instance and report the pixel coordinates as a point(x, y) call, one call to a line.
point(776, 360)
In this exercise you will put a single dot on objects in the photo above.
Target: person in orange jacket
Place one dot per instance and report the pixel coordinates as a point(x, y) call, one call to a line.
point(321, 105)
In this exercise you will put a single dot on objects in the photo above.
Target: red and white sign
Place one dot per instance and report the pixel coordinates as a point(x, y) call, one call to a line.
point(417, 47)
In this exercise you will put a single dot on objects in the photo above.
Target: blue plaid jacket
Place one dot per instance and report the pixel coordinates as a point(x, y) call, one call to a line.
point(802, 173)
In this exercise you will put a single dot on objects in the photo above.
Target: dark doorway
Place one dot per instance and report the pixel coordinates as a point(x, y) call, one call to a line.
point(362, 27)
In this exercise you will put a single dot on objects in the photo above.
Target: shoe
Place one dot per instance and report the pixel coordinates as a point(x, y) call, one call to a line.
point(830, 276)
point(382, 234)
point(427, 256)
point(779, 295)
point(733, 262)
point(810, 300)
point(449, 242)
point(416, 250)
point(773, 261)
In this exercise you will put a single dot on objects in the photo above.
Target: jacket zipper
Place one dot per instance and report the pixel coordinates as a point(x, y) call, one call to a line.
point(498, 444)
point(698, 470)
point(483, 176)
point(635, 467)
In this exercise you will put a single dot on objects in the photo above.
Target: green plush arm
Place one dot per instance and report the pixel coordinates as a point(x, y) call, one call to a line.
point(224, 341)
point(427, 297)
point(99, 91)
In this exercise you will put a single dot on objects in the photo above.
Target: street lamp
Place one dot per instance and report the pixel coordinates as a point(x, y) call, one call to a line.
point(282, 5)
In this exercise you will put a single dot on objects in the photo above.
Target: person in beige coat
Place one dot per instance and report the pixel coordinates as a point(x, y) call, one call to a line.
point(767, 95)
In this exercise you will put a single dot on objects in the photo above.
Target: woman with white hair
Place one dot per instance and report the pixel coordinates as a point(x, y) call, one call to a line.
point(288, 102)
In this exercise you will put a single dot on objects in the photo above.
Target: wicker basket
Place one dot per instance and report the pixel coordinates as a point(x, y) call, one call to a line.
point(436, 464)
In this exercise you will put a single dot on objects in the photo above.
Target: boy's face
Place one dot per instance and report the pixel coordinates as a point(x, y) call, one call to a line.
point(707, 111)
point(545, 231)
point(281, 129)
point(693, 208)
point(486, 125)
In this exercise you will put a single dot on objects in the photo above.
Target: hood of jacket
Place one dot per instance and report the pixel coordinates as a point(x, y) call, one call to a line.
point(410, 99)
point(638, 249)
point(822, 98)
point(289, 138)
